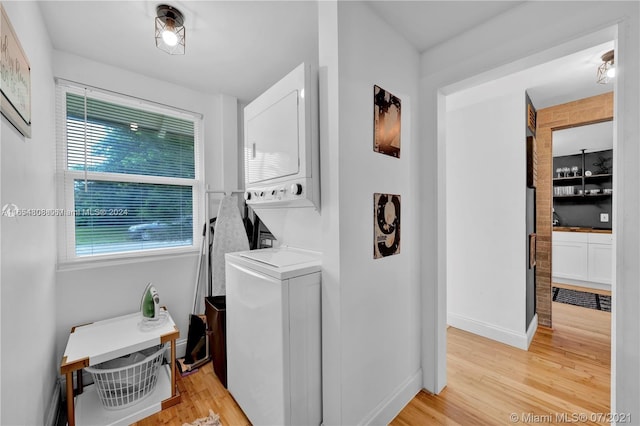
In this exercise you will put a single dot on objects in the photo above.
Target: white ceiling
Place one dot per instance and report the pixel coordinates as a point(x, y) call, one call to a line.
point(428, 23)
point(565, 79)
point(234, 47)
point(240, 48)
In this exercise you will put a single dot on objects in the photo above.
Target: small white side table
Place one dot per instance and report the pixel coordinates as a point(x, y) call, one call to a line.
point(97, 342)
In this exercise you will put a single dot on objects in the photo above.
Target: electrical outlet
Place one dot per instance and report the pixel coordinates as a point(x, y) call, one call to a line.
point(604, 217)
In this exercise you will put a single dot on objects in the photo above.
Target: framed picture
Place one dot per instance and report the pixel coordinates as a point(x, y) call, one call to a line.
point(386, 225)
point(15, 79)
point(387, 115)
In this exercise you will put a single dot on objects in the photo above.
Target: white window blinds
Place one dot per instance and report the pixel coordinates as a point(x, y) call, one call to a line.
point(129, 171)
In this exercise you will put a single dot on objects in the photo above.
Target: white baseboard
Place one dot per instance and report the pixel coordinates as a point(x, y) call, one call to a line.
point(389, 408)
point(54, 407)
point(490, 331)
point(181, 348)
point(531, 331)
point(580, 283)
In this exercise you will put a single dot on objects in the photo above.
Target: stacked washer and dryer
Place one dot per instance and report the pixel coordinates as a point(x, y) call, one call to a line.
point(273, 308)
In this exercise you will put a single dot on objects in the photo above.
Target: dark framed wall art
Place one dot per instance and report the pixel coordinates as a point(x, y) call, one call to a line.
point(387, 114)
point(386, 225)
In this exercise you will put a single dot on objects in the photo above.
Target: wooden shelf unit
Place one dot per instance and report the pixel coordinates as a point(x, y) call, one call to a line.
point(101, 341)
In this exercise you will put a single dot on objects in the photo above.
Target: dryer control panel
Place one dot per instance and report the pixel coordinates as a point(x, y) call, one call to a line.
point(289, 193)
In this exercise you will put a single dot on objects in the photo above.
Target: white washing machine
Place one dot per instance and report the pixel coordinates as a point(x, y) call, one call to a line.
point(274, 335)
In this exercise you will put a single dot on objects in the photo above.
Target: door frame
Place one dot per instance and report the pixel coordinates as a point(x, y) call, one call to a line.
point(558, 117)
point(434, 296)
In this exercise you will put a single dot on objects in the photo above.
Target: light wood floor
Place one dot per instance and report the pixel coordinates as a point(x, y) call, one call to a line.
point(200, 392)
point(566, 370)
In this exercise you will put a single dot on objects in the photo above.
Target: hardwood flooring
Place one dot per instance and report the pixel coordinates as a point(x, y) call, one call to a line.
point(200, 392)
point(566, 370)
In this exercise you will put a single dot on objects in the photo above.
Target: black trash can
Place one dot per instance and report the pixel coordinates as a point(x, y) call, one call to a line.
point(216, 313)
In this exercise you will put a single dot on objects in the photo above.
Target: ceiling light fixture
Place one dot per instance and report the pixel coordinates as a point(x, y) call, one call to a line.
point(607, 69)
point(170, 31)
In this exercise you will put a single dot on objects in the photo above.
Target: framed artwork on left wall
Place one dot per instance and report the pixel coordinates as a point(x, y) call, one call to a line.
point(15, 79)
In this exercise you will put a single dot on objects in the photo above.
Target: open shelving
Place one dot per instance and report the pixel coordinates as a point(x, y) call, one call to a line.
point(603, 181)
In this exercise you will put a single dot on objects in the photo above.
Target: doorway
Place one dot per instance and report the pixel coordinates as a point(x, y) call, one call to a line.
point(624, 377)
point(481, 150)
point(558, 120)
point(485, 200)
point(582, 255)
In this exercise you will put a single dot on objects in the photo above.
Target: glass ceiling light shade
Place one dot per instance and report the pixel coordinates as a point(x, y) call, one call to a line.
point(606, 70)
point(170, 31)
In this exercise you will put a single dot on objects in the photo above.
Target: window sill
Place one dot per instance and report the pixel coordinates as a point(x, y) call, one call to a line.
point(120, 259)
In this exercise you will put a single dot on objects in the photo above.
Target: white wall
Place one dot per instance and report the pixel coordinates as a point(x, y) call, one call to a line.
point(28, 248)
point(1, 221)
point(226, 125)
point(97, 292)
point(511, 42)
point(485, 152)
point(371, 314)
point(329, 118)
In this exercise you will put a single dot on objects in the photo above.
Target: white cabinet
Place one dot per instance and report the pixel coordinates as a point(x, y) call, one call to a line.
point(600, 258)
point(582, 258)
point(570, 257)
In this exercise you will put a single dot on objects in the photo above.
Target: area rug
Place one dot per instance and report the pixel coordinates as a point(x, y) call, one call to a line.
point(212, 420)
point(582, 298)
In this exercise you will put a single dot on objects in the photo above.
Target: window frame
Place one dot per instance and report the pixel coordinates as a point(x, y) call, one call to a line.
point(67, 256)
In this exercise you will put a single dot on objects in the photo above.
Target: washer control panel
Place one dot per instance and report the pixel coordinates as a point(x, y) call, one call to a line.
point(294, 192)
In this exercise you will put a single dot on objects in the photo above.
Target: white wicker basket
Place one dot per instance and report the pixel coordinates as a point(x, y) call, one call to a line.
point(124, 381)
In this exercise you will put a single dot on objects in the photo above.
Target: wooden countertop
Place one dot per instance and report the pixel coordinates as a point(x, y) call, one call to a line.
point(579, 229)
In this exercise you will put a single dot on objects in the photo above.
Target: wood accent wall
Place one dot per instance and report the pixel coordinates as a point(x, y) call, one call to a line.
point(578, 113)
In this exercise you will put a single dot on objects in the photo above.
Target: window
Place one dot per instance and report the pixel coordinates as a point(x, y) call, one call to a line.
point(129, 174)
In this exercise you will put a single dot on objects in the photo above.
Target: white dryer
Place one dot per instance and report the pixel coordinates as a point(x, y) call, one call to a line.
point(274, 335)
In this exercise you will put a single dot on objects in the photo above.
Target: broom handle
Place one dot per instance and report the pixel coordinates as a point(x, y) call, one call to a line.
point(200, 256)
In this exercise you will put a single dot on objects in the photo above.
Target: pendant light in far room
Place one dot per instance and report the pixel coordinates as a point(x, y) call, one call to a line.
point(607, 69)
point(170, 31)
